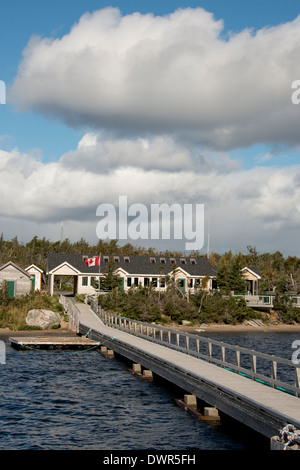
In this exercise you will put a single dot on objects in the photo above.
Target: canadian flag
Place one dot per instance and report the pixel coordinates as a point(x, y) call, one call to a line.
point(95, 261)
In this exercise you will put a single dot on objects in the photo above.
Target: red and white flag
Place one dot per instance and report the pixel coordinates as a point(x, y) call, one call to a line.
point(95, 261)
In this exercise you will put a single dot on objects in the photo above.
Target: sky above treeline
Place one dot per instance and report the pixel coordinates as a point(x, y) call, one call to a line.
point(169, 102)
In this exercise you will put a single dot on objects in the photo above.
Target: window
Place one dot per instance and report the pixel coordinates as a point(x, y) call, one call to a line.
point(136, 281)
point(172, 260)
point(106, 259)
point(85, 281)
point(116, 259)
point(163, 260)
point(193, 261)
point(126, 259)
point(146, 281)
point(162, 282)
point(152, 260)
point(190, 283)
point(154, 281)
point(129, 282)
point(182, 261)
point(94, 281)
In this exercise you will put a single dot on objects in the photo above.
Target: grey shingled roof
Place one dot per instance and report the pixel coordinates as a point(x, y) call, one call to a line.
point(136, 265)
point(11, 263)
point(254, 270)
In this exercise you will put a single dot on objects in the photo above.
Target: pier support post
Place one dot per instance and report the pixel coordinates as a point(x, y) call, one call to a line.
point(106, 352)
point(136, 368)
point(147, 375)
point(210, 411)
point(190, 400)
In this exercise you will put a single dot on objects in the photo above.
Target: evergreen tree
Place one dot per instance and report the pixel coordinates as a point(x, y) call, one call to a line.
point(230, 276)
point(110, 280)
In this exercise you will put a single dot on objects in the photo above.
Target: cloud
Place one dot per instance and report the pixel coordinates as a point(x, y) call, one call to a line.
point(259, 206)
point(100, 153)
point(176, 74)
point(162, 100)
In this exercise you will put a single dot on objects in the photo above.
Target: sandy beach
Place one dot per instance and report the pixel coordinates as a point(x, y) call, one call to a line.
point(7, 333)
point(222, 328)
point(209, 328)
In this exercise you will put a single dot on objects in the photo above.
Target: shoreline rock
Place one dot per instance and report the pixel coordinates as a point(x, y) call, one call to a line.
point(43, 318)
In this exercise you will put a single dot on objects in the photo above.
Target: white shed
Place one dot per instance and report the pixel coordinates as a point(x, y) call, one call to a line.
point(18, 281)
point(36, 276)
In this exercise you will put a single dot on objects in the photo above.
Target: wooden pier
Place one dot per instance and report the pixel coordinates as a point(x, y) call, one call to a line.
point(53, 342)
point(264, 404)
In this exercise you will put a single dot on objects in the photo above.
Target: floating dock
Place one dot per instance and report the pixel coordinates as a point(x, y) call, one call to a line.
point(53, 342)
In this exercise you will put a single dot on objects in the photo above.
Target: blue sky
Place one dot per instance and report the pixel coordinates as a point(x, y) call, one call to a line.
point(55, 19)
point(37, 132)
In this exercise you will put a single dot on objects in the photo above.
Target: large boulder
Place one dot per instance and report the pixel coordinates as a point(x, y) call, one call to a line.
point(42, 318)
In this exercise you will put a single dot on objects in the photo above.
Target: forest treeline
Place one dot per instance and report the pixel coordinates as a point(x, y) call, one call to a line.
point(278, 273)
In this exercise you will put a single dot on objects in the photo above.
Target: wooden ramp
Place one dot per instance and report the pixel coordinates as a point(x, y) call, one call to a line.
point(263, 408)
point(53, 342)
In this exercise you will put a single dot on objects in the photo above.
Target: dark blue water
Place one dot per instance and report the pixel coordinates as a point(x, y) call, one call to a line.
point(269, 342)
point(53, 400)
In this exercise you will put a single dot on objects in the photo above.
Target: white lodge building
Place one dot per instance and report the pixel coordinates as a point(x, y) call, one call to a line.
point(133, 270)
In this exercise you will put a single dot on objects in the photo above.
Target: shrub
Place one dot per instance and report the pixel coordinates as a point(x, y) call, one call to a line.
point(13, 314)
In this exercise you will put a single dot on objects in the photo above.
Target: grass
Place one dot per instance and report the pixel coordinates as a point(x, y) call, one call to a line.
point(13, 312)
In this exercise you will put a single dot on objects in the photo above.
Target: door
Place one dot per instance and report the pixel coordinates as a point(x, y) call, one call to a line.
point(181, 284)
point(122, 283)
point(10, 288)
point(33, 281)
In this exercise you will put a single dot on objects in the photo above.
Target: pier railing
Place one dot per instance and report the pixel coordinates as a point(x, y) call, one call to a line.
point(273, 371)
point(72, 310)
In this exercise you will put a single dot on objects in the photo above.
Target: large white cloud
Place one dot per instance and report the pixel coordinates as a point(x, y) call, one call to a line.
point(167, 74)
point(163, 99)
point(100, 153)
point(259, 206)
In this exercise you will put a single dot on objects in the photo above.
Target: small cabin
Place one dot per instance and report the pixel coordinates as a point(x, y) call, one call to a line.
point(252, 277)
point(36, 276)
point(19, 282)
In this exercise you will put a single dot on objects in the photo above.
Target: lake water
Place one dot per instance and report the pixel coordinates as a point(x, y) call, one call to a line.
point(53, 400)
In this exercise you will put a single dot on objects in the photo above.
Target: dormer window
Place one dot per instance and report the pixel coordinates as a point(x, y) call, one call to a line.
point(193, 261)
point(172, 260)
point(106, 259)
point(182, 261)
point(152, 260)
point(116, 259)
point(163, 260)
point(126, 259)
